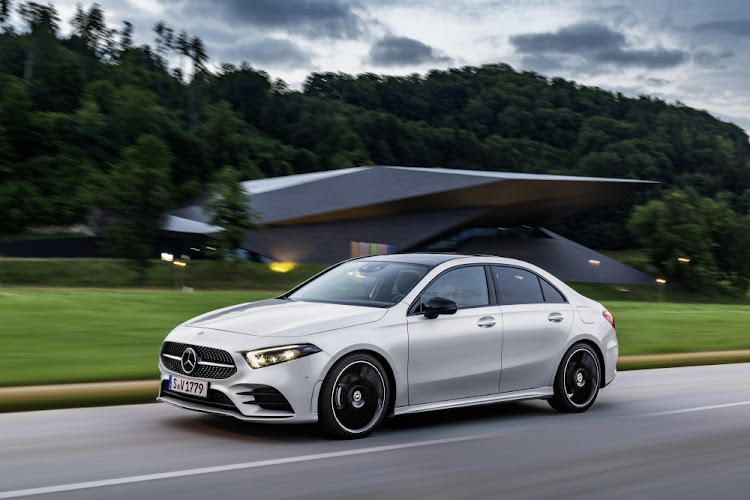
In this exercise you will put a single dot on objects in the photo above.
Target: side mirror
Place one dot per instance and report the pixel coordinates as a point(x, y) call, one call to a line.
point(439, 305)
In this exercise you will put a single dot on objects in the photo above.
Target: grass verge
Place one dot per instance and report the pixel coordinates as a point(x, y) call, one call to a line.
point(50, 397)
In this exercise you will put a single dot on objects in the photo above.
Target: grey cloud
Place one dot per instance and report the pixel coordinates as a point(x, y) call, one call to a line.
point(576, 38)
point(654, 58)
point(711, 59)
point(269, 52)
point(403, 51)
point(310, 18)
point(656, 82)
point(596, 43)
point(740, 27)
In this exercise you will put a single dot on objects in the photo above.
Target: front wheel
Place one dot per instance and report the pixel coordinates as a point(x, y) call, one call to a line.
point(354, 397)
point(577, 380)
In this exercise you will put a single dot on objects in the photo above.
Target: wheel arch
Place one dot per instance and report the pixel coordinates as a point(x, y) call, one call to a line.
point(377, 355)
point(599, 356)
point(590, 341)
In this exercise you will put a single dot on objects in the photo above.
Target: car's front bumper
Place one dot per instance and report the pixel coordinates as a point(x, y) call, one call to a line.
point(281, 393)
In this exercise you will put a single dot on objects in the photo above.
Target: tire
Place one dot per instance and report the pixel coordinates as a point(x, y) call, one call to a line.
point(577, 380)
point(354, 397)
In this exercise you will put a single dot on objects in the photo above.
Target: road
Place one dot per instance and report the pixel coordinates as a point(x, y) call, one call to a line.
point(676, 432)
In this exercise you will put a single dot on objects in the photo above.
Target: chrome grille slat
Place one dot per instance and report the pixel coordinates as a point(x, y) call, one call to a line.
point(220, 365)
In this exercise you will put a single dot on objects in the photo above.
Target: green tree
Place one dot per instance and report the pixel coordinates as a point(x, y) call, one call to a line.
point(137, 194)
point(126, 36)
point(229, 207)
point(92, 29)
point(4, 11)
point(43, 23)
point(708, 233)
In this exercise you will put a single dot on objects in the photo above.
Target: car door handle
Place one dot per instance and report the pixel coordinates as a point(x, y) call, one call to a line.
point(555, 317)
point(486, 322)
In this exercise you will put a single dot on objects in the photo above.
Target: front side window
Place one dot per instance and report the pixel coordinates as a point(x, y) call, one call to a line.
point(466, 286)
point(367, 283)
point(517, 286)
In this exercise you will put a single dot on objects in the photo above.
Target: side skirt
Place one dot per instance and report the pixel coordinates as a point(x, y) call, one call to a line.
point(540, 392)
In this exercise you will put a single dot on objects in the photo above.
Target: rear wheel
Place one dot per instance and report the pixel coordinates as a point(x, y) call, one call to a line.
point(577, 380)
point(354, 397)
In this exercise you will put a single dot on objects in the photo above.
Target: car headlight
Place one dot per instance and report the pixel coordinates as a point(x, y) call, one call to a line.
point(281, 354)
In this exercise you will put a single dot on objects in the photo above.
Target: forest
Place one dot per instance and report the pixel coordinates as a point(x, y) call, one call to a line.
point(91, 123)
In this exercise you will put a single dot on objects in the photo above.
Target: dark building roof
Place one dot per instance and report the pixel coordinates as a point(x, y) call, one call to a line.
point(360, 192)
point(313, 218)
point(562, 257)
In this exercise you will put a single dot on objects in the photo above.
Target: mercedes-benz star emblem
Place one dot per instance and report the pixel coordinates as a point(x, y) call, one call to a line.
point(189, 360)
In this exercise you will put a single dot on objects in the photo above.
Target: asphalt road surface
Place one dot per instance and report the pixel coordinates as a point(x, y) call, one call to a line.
point(668, 433)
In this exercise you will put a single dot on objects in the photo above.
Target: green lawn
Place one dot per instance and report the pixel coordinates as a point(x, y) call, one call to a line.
point(55, 336)
point(655, 328)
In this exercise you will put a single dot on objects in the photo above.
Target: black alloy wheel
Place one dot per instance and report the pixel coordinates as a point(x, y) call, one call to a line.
point(577, 381)
point(354, 397)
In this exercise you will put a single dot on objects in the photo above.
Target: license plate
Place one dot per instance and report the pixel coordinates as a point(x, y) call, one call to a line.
point(186, 386)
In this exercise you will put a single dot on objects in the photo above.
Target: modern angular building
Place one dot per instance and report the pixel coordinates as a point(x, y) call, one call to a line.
point(325, 217)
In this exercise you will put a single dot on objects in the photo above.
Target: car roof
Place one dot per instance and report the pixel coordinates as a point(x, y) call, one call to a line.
point(427, 259)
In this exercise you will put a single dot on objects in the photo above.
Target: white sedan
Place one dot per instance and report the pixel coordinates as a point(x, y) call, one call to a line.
point(391, 335)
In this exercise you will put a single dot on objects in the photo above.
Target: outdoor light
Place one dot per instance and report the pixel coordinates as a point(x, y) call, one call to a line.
point(167, 256)
point(178, 263)
point(595, 268)
point(282, 267)
point(661, 281)
point(683, 259)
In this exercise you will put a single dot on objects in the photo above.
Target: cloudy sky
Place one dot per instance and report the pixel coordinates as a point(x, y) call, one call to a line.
point(693, 51)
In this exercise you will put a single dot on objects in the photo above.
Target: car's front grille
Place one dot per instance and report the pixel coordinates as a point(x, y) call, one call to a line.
point(268, 398)
point(215, 399)
point(212, 363)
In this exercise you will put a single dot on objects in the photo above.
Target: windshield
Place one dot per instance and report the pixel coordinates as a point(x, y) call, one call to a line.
point(364, 283)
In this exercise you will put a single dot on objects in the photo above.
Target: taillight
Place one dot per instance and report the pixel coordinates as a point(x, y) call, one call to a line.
point(608, 316)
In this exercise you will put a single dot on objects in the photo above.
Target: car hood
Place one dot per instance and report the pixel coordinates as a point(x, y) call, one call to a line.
point(285, 318)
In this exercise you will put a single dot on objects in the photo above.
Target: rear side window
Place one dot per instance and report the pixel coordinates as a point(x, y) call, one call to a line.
point(551, 294)
point(517, 286)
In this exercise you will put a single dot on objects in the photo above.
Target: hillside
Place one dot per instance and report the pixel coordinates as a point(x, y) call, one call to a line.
point(73, 108)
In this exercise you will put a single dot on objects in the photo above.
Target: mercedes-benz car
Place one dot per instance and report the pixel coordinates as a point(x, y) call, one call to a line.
point(389, 335)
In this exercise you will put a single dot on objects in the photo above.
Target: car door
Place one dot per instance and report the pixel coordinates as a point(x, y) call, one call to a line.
point(455, 356)
point(536, 322)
